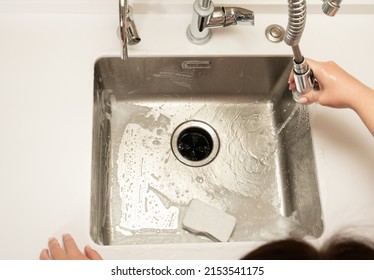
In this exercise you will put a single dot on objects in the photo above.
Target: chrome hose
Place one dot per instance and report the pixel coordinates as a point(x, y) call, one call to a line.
point(296, 22)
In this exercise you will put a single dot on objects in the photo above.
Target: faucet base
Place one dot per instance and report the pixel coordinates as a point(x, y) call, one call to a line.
point(198, 40)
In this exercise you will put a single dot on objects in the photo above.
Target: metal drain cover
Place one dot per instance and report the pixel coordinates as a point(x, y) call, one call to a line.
point(195, 143)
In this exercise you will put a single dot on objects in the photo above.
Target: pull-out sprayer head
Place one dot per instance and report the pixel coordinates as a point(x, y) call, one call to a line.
point(304, 79)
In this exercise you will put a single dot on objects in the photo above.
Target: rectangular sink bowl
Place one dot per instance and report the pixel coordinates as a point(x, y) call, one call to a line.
point(223, 130)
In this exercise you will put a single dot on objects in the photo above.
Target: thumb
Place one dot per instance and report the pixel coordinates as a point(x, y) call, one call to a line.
point(313, 64)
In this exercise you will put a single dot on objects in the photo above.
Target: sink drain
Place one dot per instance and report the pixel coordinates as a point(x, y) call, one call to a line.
point(195, 143)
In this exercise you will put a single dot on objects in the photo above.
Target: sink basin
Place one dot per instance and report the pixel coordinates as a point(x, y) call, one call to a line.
point(223, 130)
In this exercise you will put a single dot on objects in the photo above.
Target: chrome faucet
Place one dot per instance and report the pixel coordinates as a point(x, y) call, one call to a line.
point(206, 16)
point(304, 78)
point(127, 30)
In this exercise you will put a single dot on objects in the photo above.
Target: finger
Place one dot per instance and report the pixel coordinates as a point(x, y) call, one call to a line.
point(292, 85)
point(291, 78)
point(92, 254)
point(314, 66)
point(44, 255)
point(71, 247)
point(311, 62)
point(55, 250)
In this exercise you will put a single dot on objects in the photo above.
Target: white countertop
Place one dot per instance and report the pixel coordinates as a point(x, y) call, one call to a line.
point(46, 101)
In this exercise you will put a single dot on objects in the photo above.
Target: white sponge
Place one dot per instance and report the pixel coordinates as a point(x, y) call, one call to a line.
point(203, 218)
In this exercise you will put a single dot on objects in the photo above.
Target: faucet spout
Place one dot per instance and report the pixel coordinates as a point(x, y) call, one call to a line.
point(127, 31)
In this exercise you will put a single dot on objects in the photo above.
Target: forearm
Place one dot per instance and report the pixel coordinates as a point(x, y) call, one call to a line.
point(364, 107)
point(339, 89)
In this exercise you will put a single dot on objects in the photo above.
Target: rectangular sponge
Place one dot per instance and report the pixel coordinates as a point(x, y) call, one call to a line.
point(202, 218)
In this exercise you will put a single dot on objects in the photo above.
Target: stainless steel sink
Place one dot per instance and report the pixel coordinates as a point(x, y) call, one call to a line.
point(224, 130)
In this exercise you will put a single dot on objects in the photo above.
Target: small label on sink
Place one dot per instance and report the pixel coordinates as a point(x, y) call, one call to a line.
point(196, 64)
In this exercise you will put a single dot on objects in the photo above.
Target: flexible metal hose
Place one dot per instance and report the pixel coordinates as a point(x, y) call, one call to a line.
point(296, 22)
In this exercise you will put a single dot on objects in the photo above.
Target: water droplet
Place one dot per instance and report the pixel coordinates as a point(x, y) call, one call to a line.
point(156, 142)
point(199, 179)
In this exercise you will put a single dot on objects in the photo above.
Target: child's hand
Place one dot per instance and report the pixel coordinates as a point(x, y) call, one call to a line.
point(70, 251)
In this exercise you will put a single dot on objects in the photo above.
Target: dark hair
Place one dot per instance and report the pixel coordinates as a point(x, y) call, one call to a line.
point(291, 249)
point(347, 249)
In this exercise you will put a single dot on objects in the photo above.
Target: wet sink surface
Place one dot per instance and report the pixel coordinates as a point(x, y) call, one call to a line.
point(223, 130)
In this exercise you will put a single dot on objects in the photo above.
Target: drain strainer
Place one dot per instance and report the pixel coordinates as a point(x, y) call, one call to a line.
point(195, 143)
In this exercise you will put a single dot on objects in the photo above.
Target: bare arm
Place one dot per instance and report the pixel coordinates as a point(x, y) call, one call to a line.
point(364, 107)
point(338, 89)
